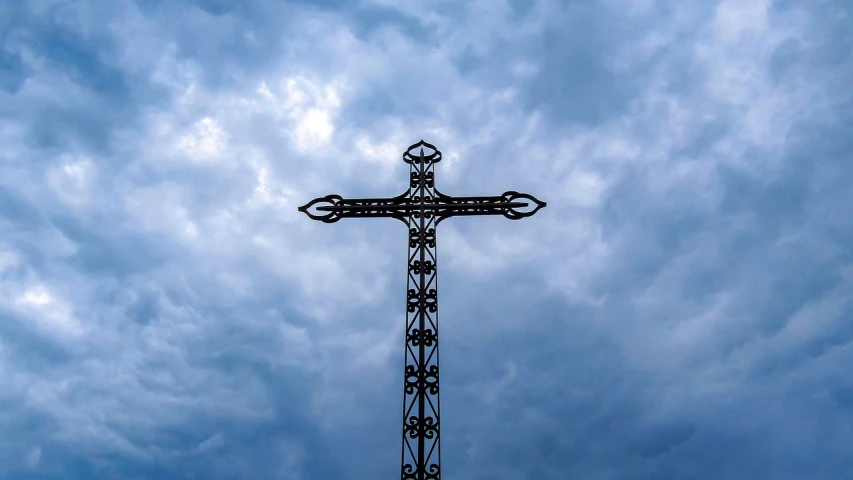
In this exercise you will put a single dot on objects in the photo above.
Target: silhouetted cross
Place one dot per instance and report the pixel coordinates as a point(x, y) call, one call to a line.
point(421, 208)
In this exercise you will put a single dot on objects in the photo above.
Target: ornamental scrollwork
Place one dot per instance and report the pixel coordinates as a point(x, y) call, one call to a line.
point(415, 154)
point(425, 427)
point(426, 267)
point(515, 213)
point(412, 300)
point(428, 178)
point(431, 300)
point(327, 201)
point(419, 239)
point(411, 376)
point(430, 382)
point(431, 379)
point(432, 472)
point(422, 301)
point(415, 337)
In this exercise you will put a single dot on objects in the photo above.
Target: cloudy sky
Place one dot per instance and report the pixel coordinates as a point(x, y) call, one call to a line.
point(682, 309)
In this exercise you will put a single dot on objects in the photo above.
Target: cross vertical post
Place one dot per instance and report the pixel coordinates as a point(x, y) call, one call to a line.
point(422, 207)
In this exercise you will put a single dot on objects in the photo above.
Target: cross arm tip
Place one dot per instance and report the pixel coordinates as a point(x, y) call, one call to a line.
point(515, 213)
point(328, 200)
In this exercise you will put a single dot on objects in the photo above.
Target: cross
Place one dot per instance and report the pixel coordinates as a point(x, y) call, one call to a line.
point(421, 208)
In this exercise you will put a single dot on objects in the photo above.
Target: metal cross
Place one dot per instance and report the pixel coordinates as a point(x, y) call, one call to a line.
point(421, 208)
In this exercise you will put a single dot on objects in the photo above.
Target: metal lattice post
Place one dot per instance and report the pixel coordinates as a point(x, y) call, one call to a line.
point(421, 208)
point(420, 392)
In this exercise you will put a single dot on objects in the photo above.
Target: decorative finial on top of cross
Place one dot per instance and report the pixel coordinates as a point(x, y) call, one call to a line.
point(413, 156)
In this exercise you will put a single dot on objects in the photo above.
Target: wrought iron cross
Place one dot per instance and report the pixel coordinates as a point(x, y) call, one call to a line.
point(421, 208)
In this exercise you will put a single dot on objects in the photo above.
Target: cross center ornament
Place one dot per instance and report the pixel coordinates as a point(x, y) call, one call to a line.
point(421, 208)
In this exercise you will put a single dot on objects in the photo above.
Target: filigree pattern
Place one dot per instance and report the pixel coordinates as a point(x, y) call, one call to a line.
point(331, 208)
point(416, 237)
point(428, 178)
point(417, 267)
point(421, 208)
point(415, 155)
point(420, 400)
point(416, 337)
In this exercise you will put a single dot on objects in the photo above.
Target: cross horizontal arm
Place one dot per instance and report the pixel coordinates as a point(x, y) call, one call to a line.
point(337, 207)
point(507, 205)
point(410, 207)
point(332, 208)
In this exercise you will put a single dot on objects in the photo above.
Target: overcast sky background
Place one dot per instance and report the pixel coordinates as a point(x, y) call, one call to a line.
point(682, 309)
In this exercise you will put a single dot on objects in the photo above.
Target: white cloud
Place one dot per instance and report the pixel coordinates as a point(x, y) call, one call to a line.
point(9, 259)
point(47, 311)
point(37, 297)
point(384, 153)
point(584, 189)
point(162, 209)
point(205, 141)
point(525, 69)
point(34, 457)
point(310, 108)
point(735, 20)
point(313, 129)
point(73, 178)
point(214, 442)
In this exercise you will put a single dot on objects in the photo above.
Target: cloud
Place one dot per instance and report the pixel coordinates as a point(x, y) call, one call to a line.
point(679, 310)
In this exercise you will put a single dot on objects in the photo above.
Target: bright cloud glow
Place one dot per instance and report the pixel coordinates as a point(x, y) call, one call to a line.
point(206, 140)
